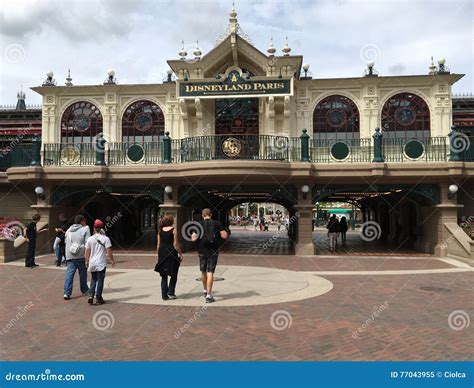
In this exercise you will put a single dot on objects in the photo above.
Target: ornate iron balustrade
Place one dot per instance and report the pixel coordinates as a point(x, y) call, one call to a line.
point(70, 154)
point(20, 155)
point(348, 150)
point(455, 147)
point(431, 149)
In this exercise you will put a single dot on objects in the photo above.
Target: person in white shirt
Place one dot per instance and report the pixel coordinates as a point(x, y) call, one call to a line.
point(98, 247)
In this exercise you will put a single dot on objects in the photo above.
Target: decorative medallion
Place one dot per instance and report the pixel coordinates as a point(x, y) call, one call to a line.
point(405, 115)
point(340, 151)
point(70, 155)
point(81, 123)
point(135, 153)
point(143, 122)
point(336, 118)
point(231, 147)
point(414, 149)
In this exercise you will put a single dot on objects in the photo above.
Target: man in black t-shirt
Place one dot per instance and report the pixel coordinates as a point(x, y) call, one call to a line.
point(208, 250)
point(31, 234)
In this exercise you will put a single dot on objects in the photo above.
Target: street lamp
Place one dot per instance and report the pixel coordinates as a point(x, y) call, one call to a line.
point(452, 190)
point(169, 192)
point(39, 191)
point(305, 191)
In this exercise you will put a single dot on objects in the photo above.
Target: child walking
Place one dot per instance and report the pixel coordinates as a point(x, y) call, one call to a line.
point(98, 247)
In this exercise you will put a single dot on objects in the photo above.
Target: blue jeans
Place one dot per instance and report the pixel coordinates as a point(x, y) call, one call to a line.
point(97, 284)
point(59, 255)
point(72, 266)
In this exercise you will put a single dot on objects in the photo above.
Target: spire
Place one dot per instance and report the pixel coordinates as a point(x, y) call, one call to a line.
point(286, 50)
point(271, 49)
point(233, 28)
point(68, 78)
point(20, 104)
point(432, 67)
point(182, 53)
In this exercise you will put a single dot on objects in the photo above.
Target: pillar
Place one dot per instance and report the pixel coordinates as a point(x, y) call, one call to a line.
point(446, 211)
point(304, 245)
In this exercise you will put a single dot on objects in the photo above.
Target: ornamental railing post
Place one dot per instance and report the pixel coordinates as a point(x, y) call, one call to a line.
point(304, 146)
point(455, 145)
point(166, 148)
point(100, 150)
point(36, 152)
point(378, 155)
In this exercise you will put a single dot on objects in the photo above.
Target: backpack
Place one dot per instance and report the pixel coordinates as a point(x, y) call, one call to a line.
point(209, 237)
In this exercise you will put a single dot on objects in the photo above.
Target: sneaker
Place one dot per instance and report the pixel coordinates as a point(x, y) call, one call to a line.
point(99, 301)
point(204, 293)
point(165, 298)
point(210, 299)
point(66, 297)
point(90, 300)
point(172, 297)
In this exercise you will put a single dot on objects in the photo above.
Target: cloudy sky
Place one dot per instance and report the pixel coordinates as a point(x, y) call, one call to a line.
point(135, 38)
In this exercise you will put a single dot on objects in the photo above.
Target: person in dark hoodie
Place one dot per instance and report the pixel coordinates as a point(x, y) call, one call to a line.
point(76, 237)
point(333, 229)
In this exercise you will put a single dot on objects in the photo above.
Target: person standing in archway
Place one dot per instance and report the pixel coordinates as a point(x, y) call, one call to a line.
point(208, 250)
point(343, 227)
point(333, 229)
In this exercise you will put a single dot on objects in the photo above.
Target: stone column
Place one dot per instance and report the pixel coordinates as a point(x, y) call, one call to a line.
point(446, 211)
point(304, 229)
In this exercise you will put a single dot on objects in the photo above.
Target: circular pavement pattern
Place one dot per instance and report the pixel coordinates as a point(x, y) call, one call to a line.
point(243, 286)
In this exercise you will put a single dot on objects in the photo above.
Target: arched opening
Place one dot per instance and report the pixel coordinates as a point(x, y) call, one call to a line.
point(81, 122)
point(336, 118)
point(142, 122)
point(380, 219)
point(406, 116)
point(130, 216)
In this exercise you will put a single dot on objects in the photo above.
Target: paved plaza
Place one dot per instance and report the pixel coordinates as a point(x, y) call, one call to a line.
point(268, 307)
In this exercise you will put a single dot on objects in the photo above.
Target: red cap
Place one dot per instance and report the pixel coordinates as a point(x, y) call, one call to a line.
point(98, 224)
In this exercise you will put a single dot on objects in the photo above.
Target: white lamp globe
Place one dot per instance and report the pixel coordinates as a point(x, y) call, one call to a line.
point(50, 74)
point(306, 67)
point(305, 189)
point(39, 190)
point(441, 61)
point(111, 73)
point(370, 64)
point(168, 189)
point(453, 189)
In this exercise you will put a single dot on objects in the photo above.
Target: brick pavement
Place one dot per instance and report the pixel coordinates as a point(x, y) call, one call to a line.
point(414, 326)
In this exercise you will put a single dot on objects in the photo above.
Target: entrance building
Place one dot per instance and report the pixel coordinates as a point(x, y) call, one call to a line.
point(238, 125)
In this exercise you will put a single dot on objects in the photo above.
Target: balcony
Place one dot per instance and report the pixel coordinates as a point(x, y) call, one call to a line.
point(243, 147)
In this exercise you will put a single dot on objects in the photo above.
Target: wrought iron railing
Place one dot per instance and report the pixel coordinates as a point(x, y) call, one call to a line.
point(349, 151)
point(19, 155)
point(230, 147)
point(70, 154)
point(121, 154)
point(237, 147)
point(432, 149)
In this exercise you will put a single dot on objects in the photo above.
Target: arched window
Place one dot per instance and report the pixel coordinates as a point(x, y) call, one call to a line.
point(406, 116)
point(143, 121)
point(80, 123)
point(336, 118)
